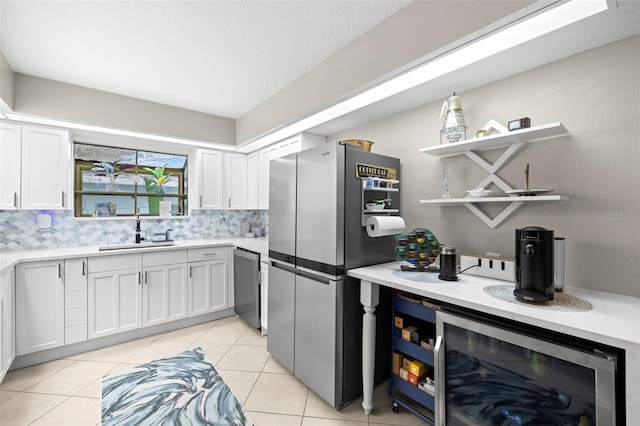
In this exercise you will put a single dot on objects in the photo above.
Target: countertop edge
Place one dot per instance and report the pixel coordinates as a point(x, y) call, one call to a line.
point(612, 321)
point(9, 259)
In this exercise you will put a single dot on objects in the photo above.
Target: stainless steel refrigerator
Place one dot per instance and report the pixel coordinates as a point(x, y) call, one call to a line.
point(315, 236)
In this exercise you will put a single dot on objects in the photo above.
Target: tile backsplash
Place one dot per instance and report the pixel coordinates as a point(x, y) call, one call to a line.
point(19, 229)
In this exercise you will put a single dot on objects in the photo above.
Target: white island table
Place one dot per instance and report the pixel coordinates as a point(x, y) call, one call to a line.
point(614, 319)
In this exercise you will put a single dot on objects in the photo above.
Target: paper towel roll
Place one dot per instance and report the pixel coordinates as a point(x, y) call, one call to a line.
point(381, 226)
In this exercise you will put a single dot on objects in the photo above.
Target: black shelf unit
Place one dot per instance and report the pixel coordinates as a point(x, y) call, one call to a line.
point(401, 392)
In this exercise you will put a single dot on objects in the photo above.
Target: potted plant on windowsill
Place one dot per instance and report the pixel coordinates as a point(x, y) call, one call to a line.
point(156, 184)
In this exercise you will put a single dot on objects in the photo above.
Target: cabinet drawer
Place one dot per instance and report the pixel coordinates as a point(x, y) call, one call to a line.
point(75, 266)
point(164, 258)
point(114, 263)
point(208, 253)
point(77, 299)
point(75, 283)
point(75, 317)
point(75, 334)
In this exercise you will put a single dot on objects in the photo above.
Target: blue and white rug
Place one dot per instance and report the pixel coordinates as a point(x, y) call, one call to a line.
point(182, 390)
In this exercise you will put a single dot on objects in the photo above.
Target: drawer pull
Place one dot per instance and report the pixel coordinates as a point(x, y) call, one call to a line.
point(209, 254)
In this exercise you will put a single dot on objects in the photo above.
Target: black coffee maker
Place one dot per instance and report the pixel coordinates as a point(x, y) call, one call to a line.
point(534, 264)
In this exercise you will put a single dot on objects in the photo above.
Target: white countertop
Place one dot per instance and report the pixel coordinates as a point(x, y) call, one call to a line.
point(613, 320)
point(10, 258)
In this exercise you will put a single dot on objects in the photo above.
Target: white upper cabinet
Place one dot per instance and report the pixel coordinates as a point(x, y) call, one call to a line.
point(223, 180)
point(211, 180)
point(46, 169)
point(10, 147)
point(236, 174)
point(252, 180)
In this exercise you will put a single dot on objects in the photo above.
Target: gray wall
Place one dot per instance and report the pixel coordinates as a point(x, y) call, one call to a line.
point(47, 98)
point(596, 95)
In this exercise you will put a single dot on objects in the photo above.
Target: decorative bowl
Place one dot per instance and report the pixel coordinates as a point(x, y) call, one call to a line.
point(375, 206)
point(479, 193)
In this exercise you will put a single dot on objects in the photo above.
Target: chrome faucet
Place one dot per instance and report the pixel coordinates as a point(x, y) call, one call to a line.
point(138, 230)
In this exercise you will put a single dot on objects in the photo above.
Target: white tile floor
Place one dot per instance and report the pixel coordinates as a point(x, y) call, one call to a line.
point(66, 392)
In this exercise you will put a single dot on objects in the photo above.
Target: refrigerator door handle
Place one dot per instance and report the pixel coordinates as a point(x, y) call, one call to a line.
point(284, 267)
point(317, 278)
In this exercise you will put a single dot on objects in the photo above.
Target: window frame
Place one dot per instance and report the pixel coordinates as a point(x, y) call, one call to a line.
point(81, 166)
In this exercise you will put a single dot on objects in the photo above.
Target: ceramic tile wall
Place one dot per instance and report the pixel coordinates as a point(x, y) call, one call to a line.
point(19, 231)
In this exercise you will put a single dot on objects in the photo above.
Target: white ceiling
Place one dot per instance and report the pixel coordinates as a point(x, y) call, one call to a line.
point(217, 57)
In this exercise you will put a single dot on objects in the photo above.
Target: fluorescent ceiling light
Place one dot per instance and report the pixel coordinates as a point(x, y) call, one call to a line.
point(118, 132)
point(524, 31)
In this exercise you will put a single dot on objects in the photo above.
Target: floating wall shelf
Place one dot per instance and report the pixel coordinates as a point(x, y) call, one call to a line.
point(513, 141)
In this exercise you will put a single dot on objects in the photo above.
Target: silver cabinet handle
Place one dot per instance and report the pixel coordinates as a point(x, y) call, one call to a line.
point(201, 201)
point(62, 198)
point(15, 199)
point(83, 268)
point(190, 271)
point(229, 202)
point(209, 254)
point(139, 277)
point(146, 277)
point(59, 270)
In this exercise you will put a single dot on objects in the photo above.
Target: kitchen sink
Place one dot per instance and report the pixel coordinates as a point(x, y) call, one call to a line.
point(136, 246)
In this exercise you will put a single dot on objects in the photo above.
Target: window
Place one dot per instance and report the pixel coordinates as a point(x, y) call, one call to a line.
point(112, 181)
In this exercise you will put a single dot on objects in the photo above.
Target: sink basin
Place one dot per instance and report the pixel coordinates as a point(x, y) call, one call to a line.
point(136, 246)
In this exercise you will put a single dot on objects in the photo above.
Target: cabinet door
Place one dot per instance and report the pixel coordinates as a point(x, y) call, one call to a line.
point(212, 194)
point(115, 302)
point(208, 286)
point(164, 294)
point(7, 335)
point(10, 148)
point(75, 300)
point(237, 181)
point(46, 169)
point(252, 180)
point(39, 306)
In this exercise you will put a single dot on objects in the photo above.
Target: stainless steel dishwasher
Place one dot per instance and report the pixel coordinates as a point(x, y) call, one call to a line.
point(246, 285)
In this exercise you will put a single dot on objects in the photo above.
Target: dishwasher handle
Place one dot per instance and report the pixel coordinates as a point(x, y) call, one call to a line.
point(246, 254)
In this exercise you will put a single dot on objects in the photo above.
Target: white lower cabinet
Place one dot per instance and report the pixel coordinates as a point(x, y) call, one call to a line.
point(151, 290)
point(39, 306)
point(164, 289)
point(114, 294)
point(208, 287)
point(7, 323)
point(115, 302)
point(75, 300)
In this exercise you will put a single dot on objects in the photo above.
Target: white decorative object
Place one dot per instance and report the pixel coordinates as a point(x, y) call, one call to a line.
point(165, 208)
point(44, 221)
point(479, 192)
point(513, 141)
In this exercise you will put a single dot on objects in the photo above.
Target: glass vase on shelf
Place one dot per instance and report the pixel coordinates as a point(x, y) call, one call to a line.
point(446, 173)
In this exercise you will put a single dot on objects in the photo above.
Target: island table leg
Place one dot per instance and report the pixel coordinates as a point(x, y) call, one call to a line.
point(369, 297)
